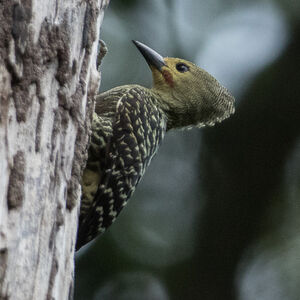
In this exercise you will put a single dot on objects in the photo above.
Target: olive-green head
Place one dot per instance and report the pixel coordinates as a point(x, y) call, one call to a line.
point(190, 95)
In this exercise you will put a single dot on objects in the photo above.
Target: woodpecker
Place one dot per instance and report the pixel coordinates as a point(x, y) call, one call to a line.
point(129, 124)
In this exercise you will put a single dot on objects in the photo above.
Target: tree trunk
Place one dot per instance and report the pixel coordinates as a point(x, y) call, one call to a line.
point(48, 77)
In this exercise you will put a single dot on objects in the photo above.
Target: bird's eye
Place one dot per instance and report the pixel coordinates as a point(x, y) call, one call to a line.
point(181, 67)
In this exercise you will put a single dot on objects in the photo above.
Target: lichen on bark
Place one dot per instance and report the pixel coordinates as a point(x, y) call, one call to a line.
point(48, 78)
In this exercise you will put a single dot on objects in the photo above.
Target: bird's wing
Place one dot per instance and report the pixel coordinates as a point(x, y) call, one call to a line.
point(137, 129)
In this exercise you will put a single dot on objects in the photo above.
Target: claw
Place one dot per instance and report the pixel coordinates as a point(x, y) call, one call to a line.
point(102, 50)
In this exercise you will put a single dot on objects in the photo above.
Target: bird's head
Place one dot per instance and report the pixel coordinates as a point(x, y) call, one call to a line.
point(191, 96)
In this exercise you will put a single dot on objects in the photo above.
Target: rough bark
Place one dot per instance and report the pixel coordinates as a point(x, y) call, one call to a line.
point(48, 78)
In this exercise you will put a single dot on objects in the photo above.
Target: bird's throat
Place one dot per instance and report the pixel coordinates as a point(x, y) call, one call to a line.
point(168, 77)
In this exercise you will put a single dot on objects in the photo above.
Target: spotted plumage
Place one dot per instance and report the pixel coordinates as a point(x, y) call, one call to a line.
point(128, 126)
point(123, 142)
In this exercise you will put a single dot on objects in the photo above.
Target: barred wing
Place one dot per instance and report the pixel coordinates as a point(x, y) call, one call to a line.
point(137, 131)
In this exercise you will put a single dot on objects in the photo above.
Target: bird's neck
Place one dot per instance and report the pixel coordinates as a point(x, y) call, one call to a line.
point(163, 104)
point(177, 114)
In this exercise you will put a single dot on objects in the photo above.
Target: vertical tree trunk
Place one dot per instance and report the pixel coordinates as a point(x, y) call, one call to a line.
point(48, 77)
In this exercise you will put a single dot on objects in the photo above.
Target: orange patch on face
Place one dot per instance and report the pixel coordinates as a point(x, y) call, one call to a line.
point(168, 77)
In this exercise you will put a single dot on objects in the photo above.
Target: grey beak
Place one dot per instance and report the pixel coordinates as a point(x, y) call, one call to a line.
point(152, 57)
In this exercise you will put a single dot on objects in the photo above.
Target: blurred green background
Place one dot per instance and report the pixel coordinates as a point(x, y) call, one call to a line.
point(217, 214)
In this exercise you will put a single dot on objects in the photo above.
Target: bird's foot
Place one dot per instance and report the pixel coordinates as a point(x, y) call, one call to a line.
point(102, 50)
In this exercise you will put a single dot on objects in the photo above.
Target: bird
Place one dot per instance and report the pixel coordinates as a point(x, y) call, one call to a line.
point(128, 126)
